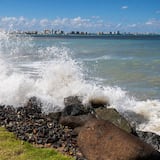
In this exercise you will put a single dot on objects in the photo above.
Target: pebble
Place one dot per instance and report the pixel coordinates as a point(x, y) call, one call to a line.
point(30, 124)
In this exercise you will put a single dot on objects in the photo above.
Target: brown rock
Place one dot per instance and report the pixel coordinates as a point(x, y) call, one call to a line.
point(101, 140)
point(74, 121)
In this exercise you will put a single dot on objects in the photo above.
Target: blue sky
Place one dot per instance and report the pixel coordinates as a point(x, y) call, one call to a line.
point(83, 15)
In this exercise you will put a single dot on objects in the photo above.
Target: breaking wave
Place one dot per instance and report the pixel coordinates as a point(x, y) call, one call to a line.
point(51, 74)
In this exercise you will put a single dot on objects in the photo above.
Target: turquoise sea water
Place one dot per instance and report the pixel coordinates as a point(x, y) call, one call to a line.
point(133, 65)
point(124, 72)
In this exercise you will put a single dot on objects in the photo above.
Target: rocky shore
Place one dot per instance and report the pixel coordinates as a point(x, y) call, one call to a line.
point(60, 130)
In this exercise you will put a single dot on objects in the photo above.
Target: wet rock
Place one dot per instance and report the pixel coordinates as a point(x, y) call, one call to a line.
point(52, 139)
point(34, 104)
point(100, 139)
point(114, 117)
point(150, 138)
point(74, 121)
point(54, 116)
point(32, 109)
point(73, 106)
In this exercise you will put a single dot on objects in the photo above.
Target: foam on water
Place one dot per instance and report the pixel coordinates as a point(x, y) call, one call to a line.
point(58, 75)
point(98, 58)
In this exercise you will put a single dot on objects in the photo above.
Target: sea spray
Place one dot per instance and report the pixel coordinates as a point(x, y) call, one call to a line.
point(50, 73)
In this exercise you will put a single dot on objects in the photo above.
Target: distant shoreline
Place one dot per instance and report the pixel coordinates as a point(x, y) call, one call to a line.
point(75, 36)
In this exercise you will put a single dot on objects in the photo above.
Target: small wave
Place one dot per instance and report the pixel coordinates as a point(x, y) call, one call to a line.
point(126, 58)
point(98, 58)
point(65, 43)
point(107, 57)
point(149, 111)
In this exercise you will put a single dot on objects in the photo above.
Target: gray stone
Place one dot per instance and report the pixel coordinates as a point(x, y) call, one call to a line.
point(54, 116)
point(73, 106)
point(111, 114)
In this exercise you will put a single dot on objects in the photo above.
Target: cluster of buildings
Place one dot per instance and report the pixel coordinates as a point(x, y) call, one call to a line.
point(61, 32)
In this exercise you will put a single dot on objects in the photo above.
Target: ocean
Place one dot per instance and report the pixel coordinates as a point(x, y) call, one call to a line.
point(126, 72)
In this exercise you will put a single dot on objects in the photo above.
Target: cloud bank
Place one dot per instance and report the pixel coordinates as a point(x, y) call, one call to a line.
point(92, 24)
point(22, 23)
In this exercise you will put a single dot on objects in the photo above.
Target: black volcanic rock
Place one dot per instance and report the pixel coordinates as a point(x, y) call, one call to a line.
point(32, 109)
point(73, 106)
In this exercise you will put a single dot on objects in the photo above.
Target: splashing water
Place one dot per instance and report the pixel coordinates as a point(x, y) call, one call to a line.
point(51, 74)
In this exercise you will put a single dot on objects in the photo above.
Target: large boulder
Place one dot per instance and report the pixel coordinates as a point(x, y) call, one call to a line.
point(113, 116)
point(101, 140)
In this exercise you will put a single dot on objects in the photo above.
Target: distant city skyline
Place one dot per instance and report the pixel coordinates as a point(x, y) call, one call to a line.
point(81, 15)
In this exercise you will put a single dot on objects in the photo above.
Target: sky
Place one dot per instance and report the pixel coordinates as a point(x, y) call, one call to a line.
point(81, 15)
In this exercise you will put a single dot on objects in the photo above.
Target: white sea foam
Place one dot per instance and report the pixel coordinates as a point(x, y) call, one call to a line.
point(59, 76)
point(98, 58)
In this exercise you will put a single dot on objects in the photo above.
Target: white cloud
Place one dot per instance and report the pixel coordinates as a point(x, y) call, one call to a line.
point(8, 19)
point(58, 23)
point(44, 22)
point(118, 25)
point(153, 22)
point(149, 23)
point(80, 21)
point(152, 25)
point(158, 12)
point(132, 25)
point(33, 22)
point(95, 17)
point(76, 22)
point(124, 7)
